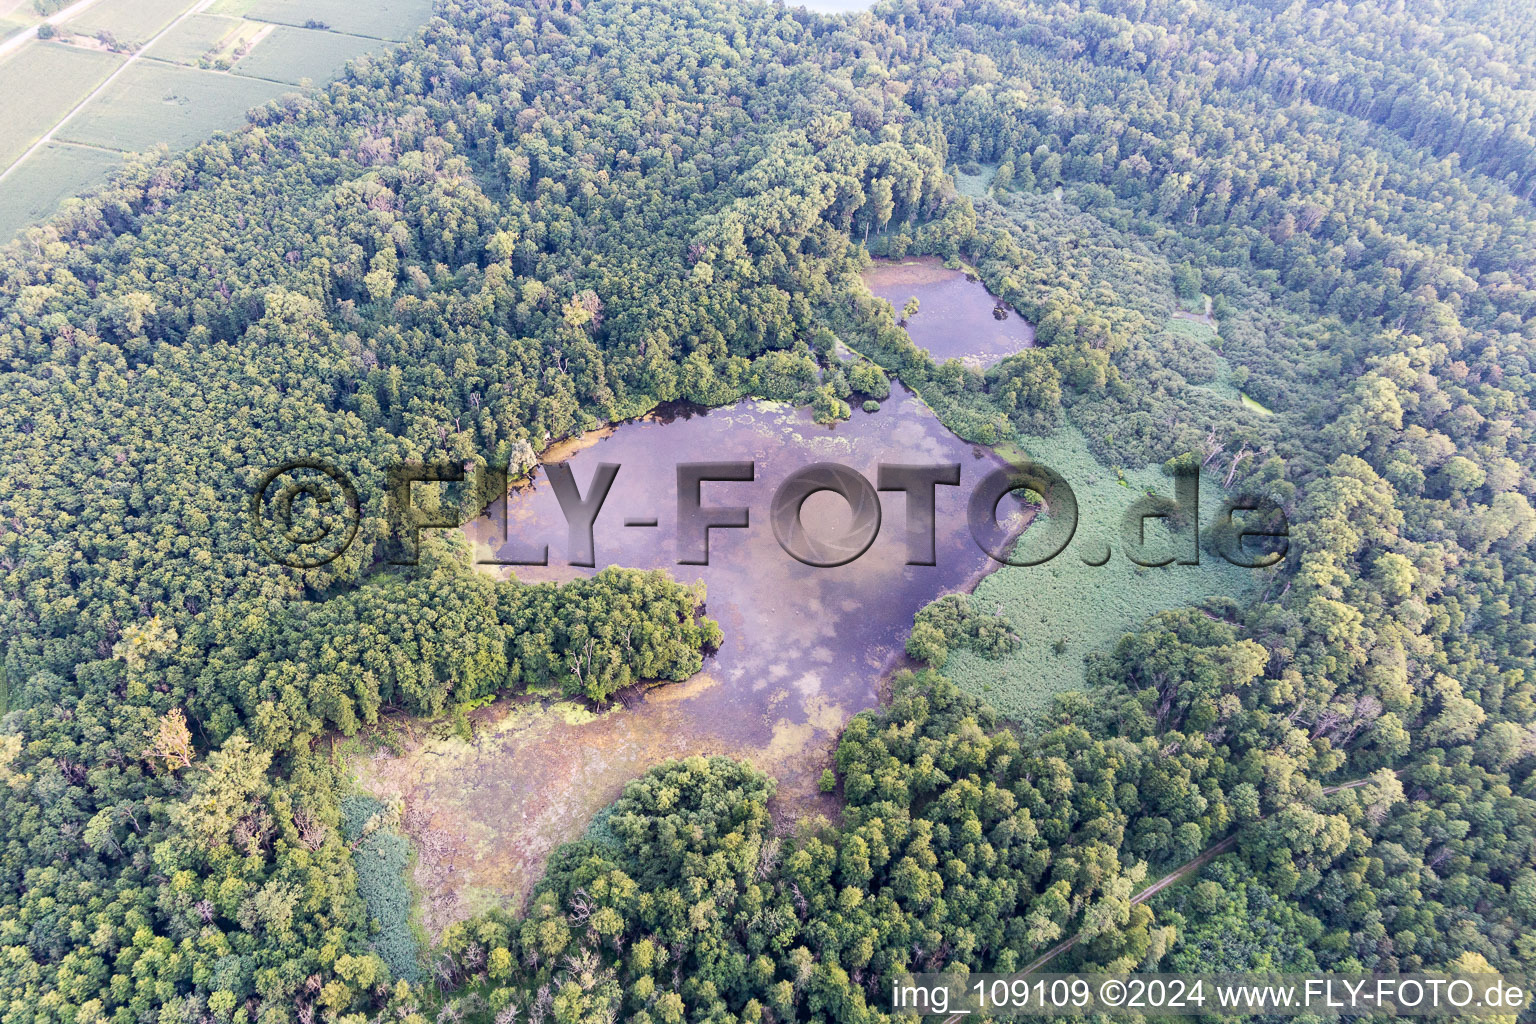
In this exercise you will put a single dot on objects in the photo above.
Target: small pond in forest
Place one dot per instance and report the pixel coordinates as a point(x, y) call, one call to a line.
point(957, 318)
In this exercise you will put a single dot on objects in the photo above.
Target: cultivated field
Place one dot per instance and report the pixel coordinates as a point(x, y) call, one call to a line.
point(131, 22)
point(294, 54)
point(154, 103)
point(381, 19)
point(52, 174)
point(196, 68)
point(206, 36)
point(39, 84)
point(15, 16)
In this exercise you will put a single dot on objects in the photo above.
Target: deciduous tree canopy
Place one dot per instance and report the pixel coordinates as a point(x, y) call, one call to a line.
point(537, 217)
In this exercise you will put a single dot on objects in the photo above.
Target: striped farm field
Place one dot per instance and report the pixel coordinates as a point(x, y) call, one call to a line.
point(54, 173)
point(200, 36)
point(292, 55)
point(153, 103)
point(41, 83)
point(381, 19)
point(132, 23)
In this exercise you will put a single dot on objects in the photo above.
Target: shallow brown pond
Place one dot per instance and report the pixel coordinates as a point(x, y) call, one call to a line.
point(957, 318)
point(805, 648)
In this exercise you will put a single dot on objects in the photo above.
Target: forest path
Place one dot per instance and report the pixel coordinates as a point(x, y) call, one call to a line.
point(1182, 871)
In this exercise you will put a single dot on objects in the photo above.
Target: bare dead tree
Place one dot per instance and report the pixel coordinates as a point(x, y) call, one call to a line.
point(581, 906)
point(1328, 720)
point(472, 958)
point(1243, 455)
point(171, 743)
point(253, 830)
point(767, 856)
point(312, 831)
point(445, 970)
point(542, 1004)
point(801, 904)
point(129, 813)
point(1366, 710)
point(1237, 460)
point(1212, 447)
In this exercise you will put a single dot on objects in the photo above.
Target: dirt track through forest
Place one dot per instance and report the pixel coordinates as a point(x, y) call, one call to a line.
point(1180, 872)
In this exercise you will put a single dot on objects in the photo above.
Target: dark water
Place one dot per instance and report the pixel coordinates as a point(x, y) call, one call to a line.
point(956, 317)
point(798, 638)
point(805, 648)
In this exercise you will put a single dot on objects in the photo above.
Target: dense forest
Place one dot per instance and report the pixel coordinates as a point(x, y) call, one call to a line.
point(542, 215)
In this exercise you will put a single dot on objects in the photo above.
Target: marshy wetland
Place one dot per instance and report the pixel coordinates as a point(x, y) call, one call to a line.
point(805, 648)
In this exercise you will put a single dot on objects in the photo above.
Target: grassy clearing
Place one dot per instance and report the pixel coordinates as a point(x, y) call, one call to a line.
point(1193, 330)
point(1226, 383)
point(153, 103)
point(50, 175)
point(483, 822)
point(203, 39)
point(1253, 403)
point(382, 859)
point(1081, 609)
point(382, 19)
point(294, 54)
point(131, 22)
point(1198, 306)
point(40, 83)
point(974, 185)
